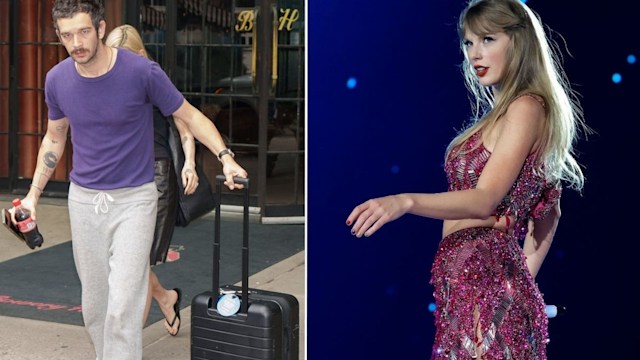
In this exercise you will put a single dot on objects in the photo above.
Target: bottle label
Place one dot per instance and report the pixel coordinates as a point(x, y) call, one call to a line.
point(26, 225)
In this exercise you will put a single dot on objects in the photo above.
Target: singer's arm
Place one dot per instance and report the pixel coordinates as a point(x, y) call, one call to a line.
point(539, 239)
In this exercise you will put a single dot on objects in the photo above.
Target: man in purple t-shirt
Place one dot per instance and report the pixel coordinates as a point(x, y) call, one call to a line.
point(106, 97)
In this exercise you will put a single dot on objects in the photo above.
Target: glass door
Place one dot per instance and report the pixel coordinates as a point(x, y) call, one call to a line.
point(285, 169)
point(241, 62)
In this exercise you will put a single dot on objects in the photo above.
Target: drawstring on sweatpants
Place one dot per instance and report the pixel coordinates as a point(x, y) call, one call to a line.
point(101, 202)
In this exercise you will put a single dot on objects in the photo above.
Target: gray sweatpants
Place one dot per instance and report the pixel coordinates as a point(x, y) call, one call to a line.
point(112, 232)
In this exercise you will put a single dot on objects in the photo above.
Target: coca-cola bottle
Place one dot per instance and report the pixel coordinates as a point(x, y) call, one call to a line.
point(27, 226)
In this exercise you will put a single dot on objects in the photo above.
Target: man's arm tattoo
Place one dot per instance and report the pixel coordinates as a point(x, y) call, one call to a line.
point(50, 159)
point(61, 129)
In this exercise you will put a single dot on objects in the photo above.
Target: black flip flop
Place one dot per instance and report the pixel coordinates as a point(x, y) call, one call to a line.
point(176, 309)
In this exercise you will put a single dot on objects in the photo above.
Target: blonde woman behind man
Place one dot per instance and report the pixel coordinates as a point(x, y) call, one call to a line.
point(127, 37)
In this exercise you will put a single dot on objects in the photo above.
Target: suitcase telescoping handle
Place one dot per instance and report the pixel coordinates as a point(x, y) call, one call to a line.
point(244, 306)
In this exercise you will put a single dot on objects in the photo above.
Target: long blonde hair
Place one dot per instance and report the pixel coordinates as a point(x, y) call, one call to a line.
point(127, 37)
point(533, 67)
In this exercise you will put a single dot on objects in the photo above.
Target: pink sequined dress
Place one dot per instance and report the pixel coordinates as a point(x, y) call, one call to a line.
point(487, 303)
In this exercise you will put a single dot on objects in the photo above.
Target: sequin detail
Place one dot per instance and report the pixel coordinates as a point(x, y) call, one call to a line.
point(487, 304)
point(530, 197)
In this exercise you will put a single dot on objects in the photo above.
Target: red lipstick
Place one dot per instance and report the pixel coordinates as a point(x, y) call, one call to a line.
point(481, 71)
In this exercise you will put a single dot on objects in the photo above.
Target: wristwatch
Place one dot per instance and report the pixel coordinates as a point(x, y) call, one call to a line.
point(224, 152)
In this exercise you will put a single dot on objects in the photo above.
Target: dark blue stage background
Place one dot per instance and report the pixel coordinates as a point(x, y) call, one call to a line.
point(368, 298)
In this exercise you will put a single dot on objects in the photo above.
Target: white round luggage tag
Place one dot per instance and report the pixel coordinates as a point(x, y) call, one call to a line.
point(228, 304)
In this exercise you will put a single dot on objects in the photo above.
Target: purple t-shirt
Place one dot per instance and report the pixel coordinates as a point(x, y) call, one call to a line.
point(111, 118)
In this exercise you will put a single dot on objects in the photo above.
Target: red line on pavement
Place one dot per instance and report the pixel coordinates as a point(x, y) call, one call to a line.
point(6, 299)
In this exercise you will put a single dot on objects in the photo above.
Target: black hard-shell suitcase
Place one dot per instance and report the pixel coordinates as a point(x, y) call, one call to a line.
point(265, 327)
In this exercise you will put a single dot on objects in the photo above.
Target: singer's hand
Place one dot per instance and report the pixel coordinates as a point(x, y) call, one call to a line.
point(369, 216)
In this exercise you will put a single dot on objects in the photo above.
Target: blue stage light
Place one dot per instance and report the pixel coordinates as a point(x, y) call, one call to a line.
point(395, 169)
point(432, 307)
point(551, 311)
point(616, 78)
point(631, 59)
point(352, 82)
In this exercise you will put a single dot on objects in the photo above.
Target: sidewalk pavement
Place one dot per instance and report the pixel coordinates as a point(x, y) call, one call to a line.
point(25, 339)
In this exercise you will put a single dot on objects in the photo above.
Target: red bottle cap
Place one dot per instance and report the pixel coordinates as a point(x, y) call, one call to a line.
point(16, 202)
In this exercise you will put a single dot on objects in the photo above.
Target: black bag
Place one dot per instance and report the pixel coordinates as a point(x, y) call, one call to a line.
point(202, 201)
point(266, 325)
